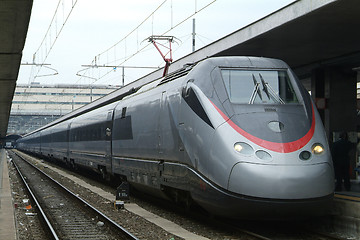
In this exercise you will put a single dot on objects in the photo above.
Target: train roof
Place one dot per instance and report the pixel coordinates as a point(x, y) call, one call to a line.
point(228, 61)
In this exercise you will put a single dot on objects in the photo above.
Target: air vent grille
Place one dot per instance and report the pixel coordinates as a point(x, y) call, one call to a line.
point(269, 109)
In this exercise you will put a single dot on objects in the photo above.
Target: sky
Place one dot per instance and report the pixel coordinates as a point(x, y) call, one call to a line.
point(114, 33)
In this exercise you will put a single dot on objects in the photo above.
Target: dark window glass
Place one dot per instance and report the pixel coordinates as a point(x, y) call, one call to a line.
point(258, 86)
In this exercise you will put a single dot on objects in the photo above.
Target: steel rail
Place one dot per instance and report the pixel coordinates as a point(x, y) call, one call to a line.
point(38, 205)
point(126, 233)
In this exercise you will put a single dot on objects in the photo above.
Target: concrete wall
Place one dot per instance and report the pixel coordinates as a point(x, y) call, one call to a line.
point(36, 105)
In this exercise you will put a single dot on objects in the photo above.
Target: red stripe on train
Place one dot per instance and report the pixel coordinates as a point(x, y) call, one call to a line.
point(273, 146)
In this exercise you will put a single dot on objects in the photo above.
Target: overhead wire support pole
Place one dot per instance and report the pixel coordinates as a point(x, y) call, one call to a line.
point(123, 75)
point(193, 36)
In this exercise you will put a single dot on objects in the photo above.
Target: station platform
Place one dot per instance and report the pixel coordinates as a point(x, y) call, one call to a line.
point(7, 218)
point(346, 211)
point(353, 194)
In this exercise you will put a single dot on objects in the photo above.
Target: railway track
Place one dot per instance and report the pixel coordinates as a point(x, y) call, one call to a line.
point(243, 230)
point(65, 215)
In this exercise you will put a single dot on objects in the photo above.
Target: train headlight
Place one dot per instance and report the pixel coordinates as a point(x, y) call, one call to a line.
point(305, 155)
point(243, 148)
point(317, 149)
point(238, 147)
point(263, 155)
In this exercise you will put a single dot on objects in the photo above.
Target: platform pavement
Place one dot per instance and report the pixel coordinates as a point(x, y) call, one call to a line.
point(354, 192)
point(346, 211)
point(7, 219)
point(355, 187)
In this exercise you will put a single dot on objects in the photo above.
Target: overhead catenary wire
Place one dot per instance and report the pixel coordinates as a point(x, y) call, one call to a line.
point(136, 28)
point(132, 31)
point(42, 42)
point(119, 62)
point(58, 14)
point(46, 46)
point(48, 32)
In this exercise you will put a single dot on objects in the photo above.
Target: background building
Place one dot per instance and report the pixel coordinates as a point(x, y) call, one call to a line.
point(35, 105)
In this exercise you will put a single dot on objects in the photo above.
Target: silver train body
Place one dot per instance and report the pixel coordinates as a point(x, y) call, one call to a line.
point(240, 136)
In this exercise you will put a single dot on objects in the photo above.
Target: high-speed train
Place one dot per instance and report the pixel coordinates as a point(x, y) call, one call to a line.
point(239, 136)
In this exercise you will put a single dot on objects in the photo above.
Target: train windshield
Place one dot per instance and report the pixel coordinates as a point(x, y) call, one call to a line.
point(258, 86)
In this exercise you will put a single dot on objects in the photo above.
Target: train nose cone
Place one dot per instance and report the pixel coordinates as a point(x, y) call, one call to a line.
point(281, 181)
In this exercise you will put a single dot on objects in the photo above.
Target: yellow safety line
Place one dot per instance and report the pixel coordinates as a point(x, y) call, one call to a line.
point(351, 198)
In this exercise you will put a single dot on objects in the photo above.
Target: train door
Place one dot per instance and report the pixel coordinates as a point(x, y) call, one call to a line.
point(40, 140)
point(50, 144)
point(67, 142)
point(161, 123)
point(185, 132)
point(108, 140)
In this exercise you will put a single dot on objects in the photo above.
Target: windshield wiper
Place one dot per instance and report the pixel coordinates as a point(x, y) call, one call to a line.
point(255, 91)
point(270, 91)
